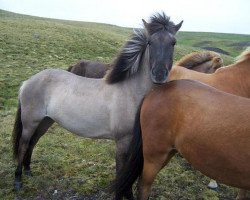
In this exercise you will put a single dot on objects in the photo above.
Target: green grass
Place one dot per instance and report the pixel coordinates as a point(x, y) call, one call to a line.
point(64, 165)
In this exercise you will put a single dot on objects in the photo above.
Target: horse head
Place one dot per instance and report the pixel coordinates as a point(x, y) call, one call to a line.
point(161, 41)
point(153, 46)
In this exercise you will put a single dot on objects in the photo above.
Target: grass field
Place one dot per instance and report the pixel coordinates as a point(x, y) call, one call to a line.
point(66, 166)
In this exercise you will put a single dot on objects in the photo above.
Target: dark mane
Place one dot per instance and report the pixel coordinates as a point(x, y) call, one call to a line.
point(128, 61)
point(159, 22)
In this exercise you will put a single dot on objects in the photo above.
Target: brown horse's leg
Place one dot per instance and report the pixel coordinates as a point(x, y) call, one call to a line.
point(150, 170)
point(40, 131)
point(242, 195)
point(153, 163)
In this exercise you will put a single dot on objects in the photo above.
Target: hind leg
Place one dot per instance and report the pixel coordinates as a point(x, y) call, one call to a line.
point(153, 163)
point(22, 149)
point(39, 132)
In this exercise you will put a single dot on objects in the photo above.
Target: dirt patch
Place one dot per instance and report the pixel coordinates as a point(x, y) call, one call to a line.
point(207, 45)
point(202, 44)
point(240, 44)
point(215, 49)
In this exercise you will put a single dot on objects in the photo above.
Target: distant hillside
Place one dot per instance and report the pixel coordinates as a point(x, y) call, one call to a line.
point(29, 44)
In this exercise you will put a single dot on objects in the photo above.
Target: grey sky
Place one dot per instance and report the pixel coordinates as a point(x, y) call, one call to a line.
point(228, 16)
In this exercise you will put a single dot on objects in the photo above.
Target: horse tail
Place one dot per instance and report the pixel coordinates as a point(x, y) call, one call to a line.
point(134, 165)
point(17, 131)
point(70, 68)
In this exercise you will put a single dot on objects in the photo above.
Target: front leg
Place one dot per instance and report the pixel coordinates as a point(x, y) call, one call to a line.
point(121, 159)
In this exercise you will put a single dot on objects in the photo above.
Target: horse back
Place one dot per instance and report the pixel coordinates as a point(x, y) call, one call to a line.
point(90, 69)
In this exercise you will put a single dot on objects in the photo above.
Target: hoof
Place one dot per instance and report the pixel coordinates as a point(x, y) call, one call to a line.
point(28, 172)
point(18, 185)
point(213, 185)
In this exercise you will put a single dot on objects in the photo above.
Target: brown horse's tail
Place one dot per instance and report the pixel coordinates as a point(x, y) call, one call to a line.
point(70, 68)
point(17, 131)
point(133, 166)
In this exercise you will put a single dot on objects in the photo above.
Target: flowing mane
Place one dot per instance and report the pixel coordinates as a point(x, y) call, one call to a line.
point(128, 61)
point(243, 56)
point(197, 58)
point(160, 22)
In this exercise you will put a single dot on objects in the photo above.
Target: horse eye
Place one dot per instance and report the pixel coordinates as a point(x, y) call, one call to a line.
point(174, 42)
point(149, 42)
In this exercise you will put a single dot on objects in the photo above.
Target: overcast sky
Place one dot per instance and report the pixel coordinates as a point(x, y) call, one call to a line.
point(227, 16)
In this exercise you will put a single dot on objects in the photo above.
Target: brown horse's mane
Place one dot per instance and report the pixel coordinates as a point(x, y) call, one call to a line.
point(243, 56)
point(196, 58)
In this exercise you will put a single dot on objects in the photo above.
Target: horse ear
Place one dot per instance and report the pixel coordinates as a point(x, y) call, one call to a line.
point(145, 24)
point(178, 26)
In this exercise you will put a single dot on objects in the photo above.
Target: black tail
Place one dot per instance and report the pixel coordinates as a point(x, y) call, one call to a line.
point(17, 131)
point(133, 168)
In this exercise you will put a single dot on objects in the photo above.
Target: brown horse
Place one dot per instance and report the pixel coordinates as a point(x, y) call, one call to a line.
point(232, 79)
point(89, 68)
point(229, 79)
point(204, 61)
point(186, 124)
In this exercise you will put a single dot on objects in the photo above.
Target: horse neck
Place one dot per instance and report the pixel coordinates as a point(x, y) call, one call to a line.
point(179, 72)
point(139, 83)
point(238, 76)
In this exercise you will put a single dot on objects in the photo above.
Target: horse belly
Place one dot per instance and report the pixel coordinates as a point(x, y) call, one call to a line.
point(90, 130)
point(218, 159)
point(87, 121)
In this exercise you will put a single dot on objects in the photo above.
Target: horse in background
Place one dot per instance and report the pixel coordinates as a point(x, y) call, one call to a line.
point(89, 68)
point(186, 124)
point(204, 61)
point(95, 108)
point(233, 79)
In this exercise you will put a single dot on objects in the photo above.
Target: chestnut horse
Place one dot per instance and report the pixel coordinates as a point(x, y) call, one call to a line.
point(89, 68)
point(186, 124)
point(205, 61)
point(232, 79)
point(229, 79)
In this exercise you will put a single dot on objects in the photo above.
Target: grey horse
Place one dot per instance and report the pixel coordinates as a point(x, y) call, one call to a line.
point(95, 108)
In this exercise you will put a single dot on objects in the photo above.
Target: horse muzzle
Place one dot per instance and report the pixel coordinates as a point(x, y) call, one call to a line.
point(159, 76)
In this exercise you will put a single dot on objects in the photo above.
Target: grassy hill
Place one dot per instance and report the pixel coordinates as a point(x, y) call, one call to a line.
point(66, 166)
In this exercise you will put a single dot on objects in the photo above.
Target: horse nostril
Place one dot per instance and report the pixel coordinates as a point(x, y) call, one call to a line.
point(154, 71)
point(159, 72)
